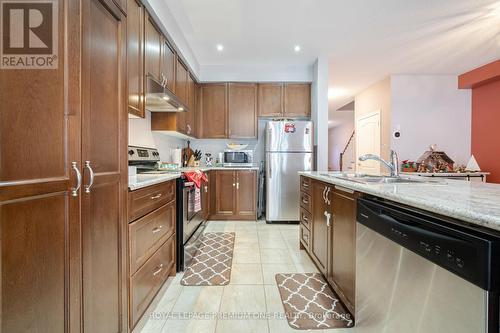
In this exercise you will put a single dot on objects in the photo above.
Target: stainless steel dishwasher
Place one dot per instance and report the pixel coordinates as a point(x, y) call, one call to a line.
point(416, 272)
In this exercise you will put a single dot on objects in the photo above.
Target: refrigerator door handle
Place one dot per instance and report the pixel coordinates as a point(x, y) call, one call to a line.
point(269, 170)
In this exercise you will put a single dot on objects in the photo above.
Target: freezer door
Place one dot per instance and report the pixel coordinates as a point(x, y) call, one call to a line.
point(289, 135)
point(282, 192)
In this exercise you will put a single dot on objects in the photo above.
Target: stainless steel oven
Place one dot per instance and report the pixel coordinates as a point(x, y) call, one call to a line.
point(190, 222)
point(238, 158)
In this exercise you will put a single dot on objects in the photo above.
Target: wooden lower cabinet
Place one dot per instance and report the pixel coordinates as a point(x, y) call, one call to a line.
point(320, 226)
point(146, 282)
point(205, 196)
point(341, 272)
point(328, 234)
point(234, 195)
point(151, 246)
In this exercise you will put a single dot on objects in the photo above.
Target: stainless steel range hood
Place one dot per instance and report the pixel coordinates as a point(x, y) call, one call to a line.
point(160, 99)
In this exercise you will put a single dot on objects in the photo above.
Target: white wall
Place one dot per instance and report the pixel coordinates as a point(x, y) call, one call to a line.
point(429, 109)
point(319, 111)
point(140, 134)
point(338, 136)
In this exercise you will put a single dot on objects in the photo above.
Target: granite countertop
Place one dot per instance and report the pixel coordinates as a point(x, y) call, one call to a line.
point(143, 180)
point(138, 181)
point(446, 174)
point(476, 203)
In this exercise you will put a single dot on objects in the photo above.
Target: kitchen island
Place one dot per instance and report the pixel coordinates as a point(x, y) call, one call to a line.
point(406, 254)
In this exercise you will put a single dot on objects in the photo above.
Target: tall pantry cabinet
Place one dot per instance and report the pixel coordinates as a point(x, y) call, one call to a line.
point(63, 180)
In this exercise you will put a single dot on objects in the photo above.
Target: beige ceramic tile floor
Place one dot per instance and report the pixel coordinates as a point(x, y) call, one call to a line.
point(261, 251)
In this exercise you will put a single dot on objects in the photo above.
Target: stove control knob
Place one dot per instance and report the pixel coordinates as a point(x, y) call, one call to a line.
point(131, 152)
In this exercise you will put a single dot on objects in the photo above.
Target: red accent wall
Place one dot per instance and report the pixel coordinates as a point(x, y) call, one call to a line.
point(486, 128)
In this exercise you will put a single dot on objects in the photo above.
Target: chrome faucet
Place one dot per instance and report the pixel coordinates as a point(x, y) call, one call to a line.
point(393, 165)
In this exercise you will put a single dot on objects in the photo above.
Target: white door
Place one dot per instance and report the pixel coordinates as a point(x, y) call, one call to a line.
point(368, 142)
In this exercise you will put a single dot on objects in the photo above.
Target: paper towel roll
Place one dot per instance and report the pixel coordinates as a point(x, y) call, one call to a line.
point(176, 155)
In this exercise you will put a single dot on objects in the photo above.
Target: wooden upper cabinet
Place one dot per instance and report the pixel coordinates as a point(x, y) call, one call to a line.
point(197, 114)
point(181, 82)
point(214, 111)
point(152, 48)
point(242, 106)
point(270, 99)
point(246, 194)
point(168, 62)
point(297, 100)
point(135, 75)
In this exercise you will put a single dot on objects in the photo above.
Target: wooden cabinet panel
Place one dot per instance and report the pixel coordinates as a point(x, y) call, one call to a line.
point(190, 115)
point(305, 184)
point(225, 184)
point(181, 82)
point(270, 100)
point(246, 194)
point(305, 218)
point(214, 111)
point(148, 233)
point(197, 115)
point(104, 146)
point(306, 202)
point(242, 110)
point(135, 75)
point(152, 48)
point(168, 62)
point(342, 266)
point(297, 99)
point(34, 263)
point(205, 197)
point(319, 227)
point(146, 282)
point(305, 236)
point(147, 199)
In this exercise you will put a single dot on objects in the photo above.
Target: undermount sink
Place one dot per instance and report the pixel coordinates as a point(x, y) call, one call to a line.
point(371, 179)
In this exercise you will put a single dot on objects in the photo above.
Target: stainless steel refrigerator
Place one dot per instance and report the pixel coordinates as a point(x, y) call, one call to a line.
point(289, 149)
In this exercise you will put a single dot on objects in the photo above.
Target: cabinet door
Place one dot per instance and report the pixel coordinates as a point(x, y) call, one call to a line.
point(320, 229)
point(270, 99)
point(152, 47)
point(181, 82)
point(342, 266)
point(225, 184)
point(190, 115)
point(297, 100)
point(197, 114)
point(168, 61)
point(214, 111)
point(246, 196)
point(135, 75)
point(39, 219)
point(104, 146)
point(242, 110)
point(205, 197)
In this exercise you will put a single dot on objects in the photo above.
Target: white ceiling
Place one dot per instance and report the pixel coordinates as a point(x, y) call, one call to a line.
point(364, 40)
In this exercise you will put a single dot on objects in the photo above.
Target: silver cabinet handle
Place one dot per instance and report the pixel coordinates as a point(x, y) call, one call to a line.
point(234, 184)
point(206, 189)
point(157, 229)
point(154, 197)
point(305, 184)
point(188, 129)
point(91, 181)
point(327, 200)
point(160, 268)
point(324, 194)
point(74, 190)
point(328, 216)
point(237, 186)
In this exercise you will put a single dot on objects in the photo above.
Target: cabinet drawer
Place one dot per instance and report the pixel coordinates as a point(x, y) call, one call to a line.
point(305, 184)
point(147, 199)
point(305, 201)
point(150, 277)
point(148, 233)
point(305, 218)
point(304, 235)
